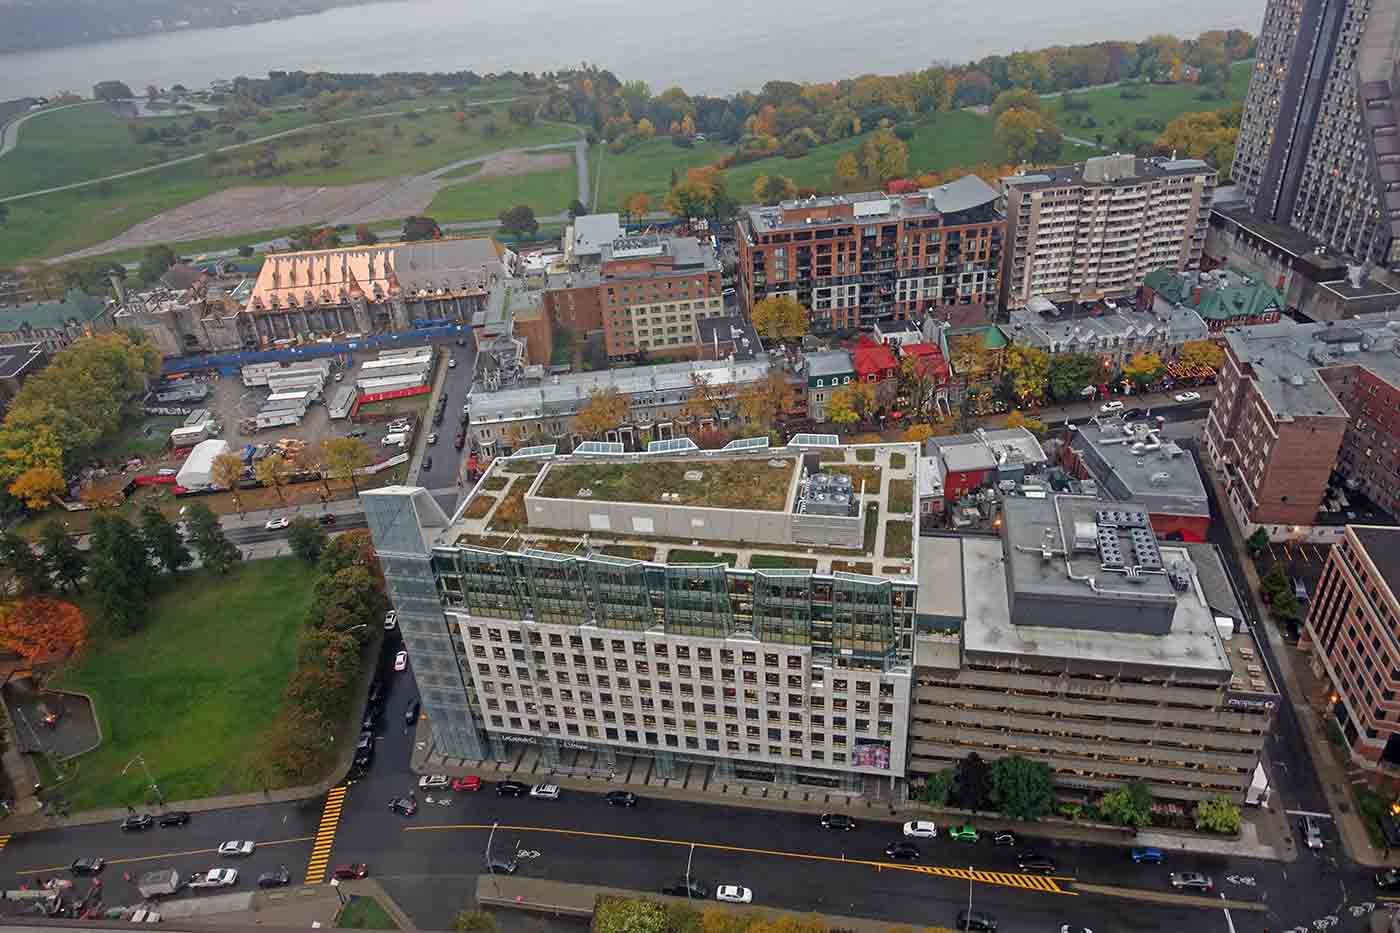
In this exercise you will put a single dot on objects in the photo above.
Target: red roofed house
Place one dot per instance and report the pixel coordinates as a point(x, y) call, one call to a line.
point(930, 362)
point(876, 365)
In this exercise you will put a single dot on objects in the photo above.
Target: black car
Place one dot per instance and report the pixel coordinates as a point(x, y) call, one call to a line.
point(1004, 838)
point(511, 789)
point(357, 433)
point(681, 888)
point(838, 821)
point(275, 879)
point(427, 463)
point(1388, 880)
point(498, 867)
point(376, 691)
point(404, 806)
point(326, 518)
point(978, 920)
point(174, 818)
point(902, 850)
point(1032, 861)
point(87, 865)
point(138, 822)
point(621, 798)
point(371, 717)
point(410, 716)
point(364, 750)
point(1133, 414)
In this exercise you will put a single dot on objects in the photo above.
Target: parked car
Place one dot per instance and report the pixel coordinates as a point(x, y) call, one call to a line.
point(683, 888)
point(978, 920)
point(275, 879)
point(214, 878)
point(1033, 861)
point(138, 822)
point(1388, 880)
point(921, 829)
point(1187, 396)
point(460, 441)
point(838, 821)
point(401, 661)
point(174, 818)
point(350, 871)
point(1312, 833)
point(376, 690)
point(391, 618)
point(427, 463)
point(326, 518)
point(410, 715)
point(511, 789)
point(545, 791)
point(734, 894)
point(452, 362)
point(358, 432)
point(238, 847)
point(87, 865)
point(1004, 837)
point(371, 717)
point(404, 806)
point(1192, 880)
point(273, 524)
point(432, 439)
point(499, 867)
point(902, 851)
point(963, 834)
point(1110, 407)
point(621, 798)
point(1149, 855)
point(469, 783)
point(433, 781)
point(1133, 414)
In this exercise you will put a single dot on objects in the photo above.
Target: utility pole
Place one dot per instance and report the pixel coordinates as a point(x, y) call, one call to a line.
point(155, 788)
point(968, 924)
point(688, 860)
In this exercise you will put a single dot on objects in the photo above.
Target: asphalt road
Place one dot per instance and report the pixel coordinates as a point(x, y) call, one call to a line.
point(447, 461)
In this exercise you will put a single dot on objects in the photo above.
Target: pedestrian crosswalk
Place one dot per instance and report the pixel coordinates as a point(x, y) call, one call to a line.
point(325, 835)
point(4, 840)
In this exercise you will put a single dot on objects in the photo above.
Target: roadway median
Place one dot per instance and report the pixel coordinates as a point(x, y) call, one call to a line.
point(1168, 897)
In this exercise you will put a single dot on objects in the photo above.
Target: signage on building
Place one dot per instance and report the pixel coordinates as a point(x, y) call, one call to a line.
point(1252, 702)
point(533, 740)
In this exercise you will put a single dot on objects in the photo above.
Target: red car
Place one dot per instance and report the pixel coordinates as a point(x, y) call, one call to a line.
point(470, 782)
point(350, 872)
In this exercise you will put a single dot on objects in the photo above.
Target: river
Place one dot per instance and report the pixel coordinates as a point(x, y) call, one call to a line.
point(713, 48)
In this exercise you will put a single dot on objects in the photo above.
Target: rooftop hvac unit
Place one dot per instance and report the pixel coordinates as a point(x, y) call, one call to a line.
point(1160, 479)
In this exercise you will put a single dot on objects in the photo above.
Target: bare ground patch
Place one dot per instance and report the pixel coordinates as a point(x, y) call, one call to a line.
point(523, 163)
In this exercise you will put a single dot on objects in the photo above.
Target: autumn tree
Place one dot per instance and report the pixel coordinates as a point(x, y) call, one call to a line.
point(847, 177)
point(637, 205)
point(1203, 354)
point(163, 539)
point(763, 401)
point(1016, 131)
point(779, 317)
point(917, 433)
point(226, 470)
point(1019, 419)
point(1144, 368)
point(1017, 98)
point(882, 156)
point(707, 399)
point(1028, 368)
point(37, 487)
point(1204, 135)
point(216, 552)
point(272, 471)
point(37, 628)
point(771, 189)
point(920, 382)
point(340, 457)
point(604, 411)
point(851, 403)
point(66, 563)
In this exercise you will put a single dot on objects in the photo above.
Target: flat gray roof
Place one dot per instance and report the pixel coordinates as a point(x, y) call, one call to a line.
point(1132, 462)
point(940, 575)
point(1285, 358)
point(830, 363)
point(953, 197)
point(591, 231)
point(1085, 332)
point(984, 449)
point(1109, 169)
point(963, 194)
point(1382, 545)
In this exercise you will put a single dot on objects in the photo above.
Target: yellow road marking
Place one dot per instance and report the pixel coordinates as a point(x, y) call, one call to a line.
point(325, 835)
point(1041, 883)
point(5, 840)
point(151, 858)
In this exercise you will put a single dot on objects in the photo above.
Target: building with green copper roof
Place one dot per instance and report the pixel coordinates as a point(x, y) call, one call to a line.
point(55, 323)
point(1226, 297)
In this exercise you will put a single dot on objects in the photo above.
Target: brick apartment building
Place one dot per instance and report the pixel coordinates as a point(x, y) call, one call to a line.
point(645, 294)
point(1351, 631)
point(1094, 230)
point(856, 259)
point(1296, 401)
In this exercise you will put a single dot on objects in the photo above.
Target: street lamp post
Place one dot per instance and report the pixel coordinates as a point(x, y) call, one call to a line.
point(690, 858)
point(160, 801)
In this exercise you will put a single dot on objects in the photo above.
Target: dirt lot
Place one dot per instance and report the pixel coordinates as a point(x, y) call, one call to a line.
point(523, 163)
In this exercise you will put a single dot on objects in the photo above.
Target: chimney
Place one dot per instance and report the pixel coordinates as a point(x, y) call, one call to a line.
point(1196, 296)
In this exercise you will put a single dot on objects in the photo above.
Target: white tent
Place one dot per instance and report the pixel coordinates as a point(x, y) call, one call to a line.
point(198, 471)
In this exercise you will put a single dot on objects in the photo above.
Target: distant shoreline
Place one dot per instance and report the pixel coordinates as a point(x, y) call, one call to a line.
point(272, 17)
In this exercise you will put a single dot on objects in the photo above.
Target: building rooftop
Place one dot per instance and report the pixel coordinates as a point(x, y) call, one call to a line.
point(967, 194)
point(716, 483)
point(1218, 295)
point(1284, 359)
point(728, 336)
point(1052, 329)
point(75, 307)
point(1357, 287)
point(873, 358)
point(564, 395)
point(830, 363)
point(1132, 462)
point(670, 254)
point(593, 231)
point(508, 300)
point(1382, 546)
point(15, 358)
point(1109, 169)
point(1284, 237)
point(985, 450)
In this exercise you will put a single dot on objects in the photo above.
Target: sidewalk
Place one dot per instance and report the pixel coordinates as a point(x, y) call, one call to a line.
point(579, 770)
point(1300, 684)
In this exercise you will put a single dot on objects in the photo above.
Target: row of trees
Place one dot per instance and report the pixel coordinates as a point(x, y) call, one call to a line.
point(1024, 790)
point(758, 403)
point(349, 602)
point(1031, 374)
point(86, 393)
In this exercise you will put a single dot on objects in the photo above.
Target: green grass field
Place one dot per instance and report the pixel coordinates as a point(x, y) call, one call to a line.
point(463, 171)
point(194, 691)
point(364, 913)
point(647, 167)
point(545, 193)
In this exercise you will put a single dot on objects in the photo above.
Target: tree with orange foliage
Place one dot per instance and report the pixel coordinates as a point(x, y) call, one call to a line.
point(39, 627)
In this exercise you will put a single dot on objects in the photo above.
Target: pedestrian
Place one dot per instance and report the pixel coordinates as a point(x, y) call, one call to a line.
point(130, 809)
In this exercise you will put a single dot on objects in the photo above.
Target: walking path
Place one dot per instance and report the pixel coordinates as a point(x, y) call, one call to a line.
point(9, 132)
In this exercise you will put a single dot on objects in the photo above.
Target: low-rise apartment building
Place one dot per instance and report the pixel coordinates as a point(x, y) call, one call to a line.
point(1095, 229)
point(1112, 330)
point(1079, 640)
point(855, 260)
point(1295, 402)
point(1352, 634)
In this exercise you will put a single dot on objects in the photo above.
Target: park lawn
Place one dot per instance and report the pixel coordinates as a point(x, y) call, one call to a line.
point(646, 167)
point(953, 139)
point(364, 913)
point(196, 689)
point(546, 193)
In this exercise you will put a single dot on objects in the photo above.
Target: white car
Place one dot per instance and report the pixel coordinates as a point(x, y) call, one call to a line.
point(733, 894)
point(432, 439)
point(433, 781)
point(452, 363)
point(391, 619)
point(920, 829)
point(214, 878)
point(1188, 396)
point(1108, 407)
point(545, 791)
point(236, 847)
point(272, 524)
point(401, 660)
